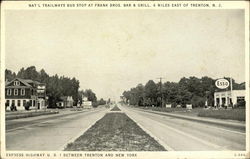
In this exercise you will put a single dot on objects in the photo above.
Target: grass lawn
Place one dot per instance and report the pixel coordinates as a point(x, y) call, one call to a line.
point(163, 109)
point(115, 109)
point(232, 114)
point(115, 132)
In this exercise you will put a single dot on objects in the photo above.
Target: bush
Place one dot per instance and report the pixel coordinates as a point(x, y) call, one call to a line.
point(241, 103)
point(197, 101)
point(27, 106)
point(13, 107)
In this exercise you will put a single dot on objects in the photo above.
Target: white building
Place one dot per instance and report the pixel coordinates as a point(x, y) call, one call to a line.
point(86, 104)
point(226, 97)
point(65, 101)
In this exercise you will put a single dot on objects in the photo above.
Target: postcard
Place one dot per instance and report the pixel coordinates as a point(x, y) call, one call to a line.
point(124, 79)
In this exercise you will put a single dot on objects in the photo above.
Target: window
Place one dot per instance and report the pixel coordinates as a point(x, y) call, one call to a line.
point(34, 103)
point(18, 103)
point(8, 92)
point(22, 92)
point(30, 103)
point(24, 102)
point(13, 102)
point(15, 92)
point(16, 83)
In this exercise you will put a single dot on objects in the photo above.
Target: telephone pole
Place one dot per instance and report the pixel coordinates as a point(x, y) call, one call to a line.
point(161, 90)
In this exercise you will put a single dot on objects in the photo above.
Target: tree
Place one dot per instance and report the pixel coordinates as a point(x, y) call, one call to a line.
point(192, 90)
point(151, 92)
point(43, 76)
point(56, 86)
point(170, 91)
point(101, 102)
point(90, 95)
point(29, 73)
point(9, 75)
point(126, 95)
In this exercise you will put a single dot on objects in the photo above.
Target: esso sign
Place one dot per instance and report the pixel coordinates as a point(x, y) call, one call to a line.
point(222, 83)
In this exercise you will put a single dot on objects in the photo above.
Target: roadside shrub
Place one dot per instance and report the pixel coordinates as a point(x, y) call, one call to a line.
point(27, 106)
point(241, 104)
point(13, 107)
point(197, 101)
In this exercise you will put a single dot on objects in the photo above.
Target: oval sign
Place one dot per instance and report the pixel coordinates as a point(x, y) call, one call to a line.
point(222, 83)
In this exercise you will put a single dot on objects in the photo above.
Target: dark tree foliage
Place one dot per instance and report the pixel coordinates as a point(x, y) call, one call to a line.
point(101, 102)
point(9, 75)
point(91, 96)
point(192, 90)
point(56, 86)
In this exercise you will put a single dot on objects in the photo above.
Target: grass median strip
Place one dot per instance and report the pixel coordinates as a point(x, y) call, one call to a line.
point(115, 132)
point(115, 109)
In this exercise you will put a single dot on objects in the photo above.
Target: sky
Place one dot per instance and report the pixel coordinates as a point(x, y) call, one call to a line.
point(110, 51)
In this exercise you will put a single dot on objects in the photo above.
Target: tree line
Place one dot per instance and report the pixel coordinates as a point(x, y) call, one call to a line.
point(56, 86)
point(192, 90)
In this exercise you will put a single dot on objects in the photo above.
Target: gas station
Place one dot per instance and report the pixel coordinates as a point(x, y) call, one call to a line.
point(227, 98)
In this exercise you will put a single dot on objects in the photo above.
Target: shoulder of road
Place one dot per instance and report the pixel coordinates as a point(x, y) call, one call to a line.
point(40, 113)
point(225, 123)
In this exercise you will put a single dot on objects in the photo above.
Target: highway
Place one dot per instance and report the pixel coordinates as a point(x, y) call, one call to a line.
point(53, 132)
point(49, 132)
point(183, 135)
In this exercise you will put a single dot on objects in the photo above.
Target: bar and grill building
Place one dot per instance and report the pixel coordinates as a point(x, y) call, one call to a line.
point(20, 91)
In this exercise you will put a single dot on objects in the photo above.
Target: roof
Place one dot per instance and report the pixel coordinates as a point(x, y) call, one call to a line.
point(26, 82)
point(228, 91)
point(30, 81)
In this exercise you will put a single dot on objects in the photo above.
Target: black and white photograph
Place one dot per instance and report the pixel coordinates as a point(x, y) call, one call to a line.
point(124, 77)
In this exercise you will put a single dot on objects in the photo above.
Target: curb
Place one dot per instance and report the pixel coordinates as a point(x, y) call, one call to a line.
point(27, 114)
point(238, 126)
point(32, 114)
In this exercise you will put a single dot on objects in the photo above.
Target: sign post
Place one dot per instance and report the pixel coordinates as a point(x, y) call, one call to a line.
point(231, 90)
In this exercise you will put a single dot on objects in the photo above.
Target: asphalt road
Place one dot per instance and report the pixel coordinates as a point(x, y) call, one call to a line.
point(53, 132)
point(183, 135)
point(49, 132)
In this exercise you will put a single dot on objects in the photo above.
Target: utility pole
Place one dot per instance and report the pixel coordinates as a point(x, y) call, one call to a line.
point(231, 91)
point(161, 90)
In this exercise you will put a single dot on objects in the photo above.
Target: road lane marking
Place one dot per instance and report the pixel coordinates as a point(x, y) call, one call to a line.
point(188, 135)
